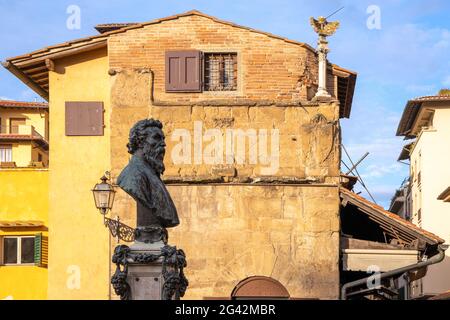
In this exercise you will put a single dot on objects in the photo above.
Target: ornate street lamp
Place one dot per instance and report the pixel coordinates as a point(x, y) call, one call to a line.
point(104, 199)
point(104, 195)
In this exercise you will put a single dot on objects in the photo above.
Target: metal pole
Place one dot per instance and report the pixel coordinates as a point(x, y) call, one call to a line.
point(358, 162)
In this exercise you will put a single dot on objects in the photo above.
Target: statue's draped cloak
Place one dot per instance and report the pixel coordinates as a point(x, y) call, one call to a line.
point(140, 181)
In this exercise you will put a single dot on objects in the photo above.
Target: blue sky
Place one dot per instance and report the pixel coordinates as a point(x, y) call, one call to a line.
point(407, 57)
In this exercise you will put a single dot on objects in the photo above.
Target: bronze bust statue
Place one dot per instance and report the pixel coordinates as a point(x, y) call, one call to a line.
point(141, 179)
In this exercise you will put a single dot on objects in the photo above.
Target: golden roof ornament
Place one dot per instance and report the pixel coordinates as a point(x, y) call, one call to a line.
point(322, 27)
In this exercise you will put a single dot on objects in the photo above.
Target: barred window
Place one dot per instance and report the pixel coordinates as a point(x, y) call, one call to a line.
point(220, 71)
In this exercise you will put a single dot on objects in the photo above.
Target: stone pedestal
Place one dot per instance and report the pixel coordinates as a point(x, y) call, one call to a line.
point(149, 271)
point(146, 280)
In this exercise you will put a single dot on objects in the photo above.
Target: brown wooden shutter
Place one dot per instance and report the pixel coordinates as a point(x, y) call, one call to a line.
point(1, 250)
point(184, 71)
point(84, 118)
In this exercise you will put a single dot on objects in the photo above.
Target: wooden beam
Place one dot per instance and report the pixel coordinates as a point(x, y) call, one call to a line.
point(25, 79)
point(37, 74)
point(41, 81)
point(34, 69)
point(352, 243)
point(50, 64)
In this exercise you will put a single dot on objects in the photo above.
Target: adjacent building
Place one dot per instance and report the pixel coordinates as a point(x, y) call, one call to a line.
point(23, 134)
point(427, 121)
point(23, 199)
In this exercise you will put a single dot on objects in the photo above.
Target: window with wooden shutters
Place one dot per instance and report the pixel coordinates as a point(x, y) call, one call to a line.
point(1, 251)
point(41, 250)
point(15, 123)
point(84, 118)
point(184, 71)
point(18, 250)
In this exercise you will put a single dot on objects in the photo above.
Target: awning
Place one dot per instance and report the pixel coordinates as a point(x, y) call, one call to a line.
point(405, 153)
point(445, 195)
point(385, 260)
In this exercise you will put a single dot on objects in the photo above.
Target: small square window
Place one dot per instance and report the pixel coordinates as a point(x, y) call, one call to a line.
point(220, 71)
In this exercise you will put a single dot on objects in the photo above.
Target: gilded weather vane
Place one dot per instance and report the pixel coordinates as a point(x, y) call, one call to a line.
point(324, 29)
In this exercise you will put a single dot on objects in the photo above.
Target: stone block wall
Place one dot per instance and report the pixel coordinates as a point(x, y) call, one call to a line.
point(304, 137)
point(231, 232)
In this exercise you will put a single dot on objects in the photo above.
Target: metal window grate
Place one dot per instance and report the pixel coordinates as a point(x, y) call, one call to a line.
point(220, 71)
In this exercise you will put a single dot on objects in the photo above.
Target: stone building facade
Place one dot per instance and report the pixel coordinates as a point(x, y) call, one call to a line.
point(254, 171)
point(237, 221)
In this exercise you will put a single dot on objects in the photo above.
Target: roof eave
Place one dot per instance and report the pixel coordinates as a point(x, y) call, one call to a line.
point(408, 118)
point(26, 80)
point(415, 231)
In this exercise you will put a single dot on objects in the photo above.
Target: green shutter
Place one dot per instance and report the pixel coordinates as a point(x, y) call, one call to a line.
point(38, 249)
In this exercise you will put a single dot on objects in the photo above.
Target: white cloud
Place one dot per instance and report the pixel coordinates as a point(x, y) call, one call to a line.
point(4, 98)
point(446, 81)
point(421, 89)
point(377, 171)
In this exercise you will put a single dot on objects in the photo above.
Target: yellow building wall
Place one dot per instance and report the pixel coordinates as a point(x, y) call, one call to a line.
point(16, 185)
point(79, 248)
point(33, 118)
point(21, 153)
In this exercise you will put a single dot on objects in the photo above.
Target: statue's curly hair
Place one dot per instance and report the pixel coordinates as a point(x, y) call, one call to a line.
point(137, 133)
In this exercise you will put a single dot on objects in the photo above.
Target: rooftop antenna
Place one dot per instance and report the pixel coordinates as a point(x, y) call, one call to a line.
point(335, 12)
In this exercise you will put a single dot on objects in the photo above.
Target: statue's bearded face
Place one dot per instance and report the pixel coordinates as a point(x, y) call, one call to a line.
point(154, 148)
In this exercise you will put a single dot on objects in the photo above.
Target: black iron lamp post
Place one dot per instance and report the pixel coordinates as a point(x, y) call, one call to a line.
point(104, 194)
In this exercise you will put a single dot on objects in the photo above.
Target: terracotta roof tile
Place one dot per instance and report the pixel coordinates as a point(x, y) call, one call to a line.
point(106, 27)
point(392, 216)
point(22, 104)
point(411, 109)
point(141, 25)
point(442, 97)
point(21, 224)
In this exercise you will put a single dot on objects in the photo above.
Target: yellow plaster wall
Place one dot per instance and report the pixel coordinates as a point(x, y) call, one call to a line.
point(21, 154)
point(23, 196)
point(79, 247)
point(33, 118)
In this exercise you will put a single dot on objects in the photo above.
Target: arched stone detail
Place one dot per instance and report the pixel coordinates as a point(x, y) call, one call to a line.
point(261, 287)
